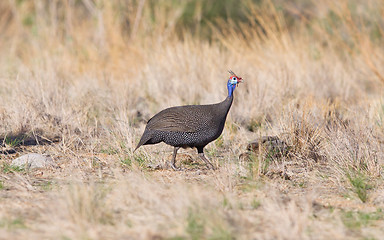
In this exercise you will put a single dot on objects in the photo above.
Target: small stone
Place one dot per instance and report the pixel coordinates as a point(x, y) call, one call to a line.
point(33, 161)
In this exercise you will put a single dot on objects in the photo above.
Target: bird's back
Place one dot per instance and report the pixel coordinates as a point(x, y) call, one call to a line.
point(191, 118)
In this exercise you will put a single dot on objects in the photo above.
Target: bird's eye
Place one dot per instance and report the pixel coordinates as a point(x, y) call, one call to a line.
point(234, 79)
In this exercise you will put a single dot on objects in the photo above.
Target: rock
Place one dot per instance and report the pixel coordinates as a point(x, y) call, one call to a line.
point(33, 161)
point(272, 144)
point(246, 156)
point(267, 146)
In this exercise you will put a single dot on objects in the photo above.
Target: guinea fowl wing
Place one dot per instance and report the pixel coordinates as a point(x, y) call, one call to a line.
point(190, 118)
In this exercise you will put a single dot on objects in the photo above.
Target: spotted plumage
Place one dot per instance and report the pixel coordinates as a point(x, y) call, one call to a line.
point(191, 125)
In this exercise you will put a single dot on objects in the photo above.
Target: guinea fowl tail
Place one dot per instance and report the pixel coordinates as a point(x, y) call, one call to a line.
point(145, 138)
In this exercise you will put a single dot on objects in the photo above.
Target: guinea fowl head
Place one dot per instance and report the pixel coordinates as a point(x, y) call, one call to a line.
point(233, 81)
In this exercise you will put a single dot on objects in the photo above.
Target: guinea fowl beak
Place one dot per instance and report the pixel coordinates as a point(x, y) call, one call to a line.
point(239, 80)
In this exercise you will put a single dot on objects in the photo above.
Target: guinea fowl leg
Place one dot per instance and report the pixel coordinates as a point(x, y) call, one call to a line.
point(173, 163)
point(209, 164)
point(201, 155)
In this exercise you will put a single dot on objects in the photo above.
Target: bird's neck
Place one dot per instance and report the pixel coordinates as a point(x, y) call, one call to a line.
point(224, 106)
point(231, 88)
point(227, 103)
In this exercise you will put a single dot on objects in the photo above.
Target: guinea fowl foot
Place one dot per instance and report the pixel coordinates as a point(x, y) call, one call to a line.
point(209, 164)
point(173, 163)
point(177, 168)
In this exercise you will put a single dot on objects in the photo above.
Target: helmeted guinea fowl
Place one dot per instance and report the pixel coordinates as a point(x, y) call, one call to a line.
point(191, 125)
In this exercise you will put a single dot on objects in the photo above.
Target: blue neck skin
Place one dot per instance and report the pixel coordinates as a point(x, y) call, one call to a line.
point(231, 88)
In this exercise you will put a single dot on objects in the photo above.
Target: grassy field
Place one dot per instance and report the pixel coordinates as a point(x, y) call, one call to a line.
point(80, 78)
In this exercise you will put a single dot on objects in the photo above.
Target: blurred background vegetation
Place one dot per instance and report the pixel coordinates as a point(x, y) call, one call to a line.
point(197, 17)
point(98, 29)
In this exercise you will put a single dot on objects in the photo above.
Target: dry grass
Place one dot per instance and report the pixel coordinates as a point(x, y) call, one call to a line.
point(82, 77)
